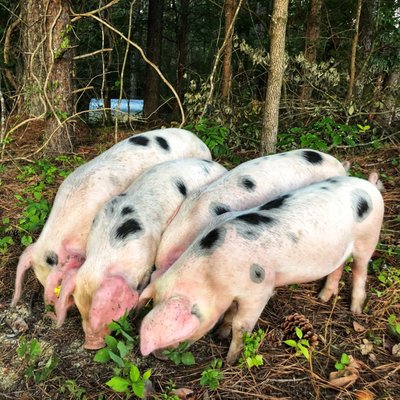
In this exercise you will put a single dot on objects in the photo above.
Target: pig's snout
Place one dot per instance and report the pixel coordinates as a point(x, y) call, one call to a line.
point(95, 340)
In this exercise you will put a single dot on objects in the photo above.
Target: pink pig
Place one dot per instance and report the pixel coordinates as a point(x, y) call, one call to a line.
point(241, 258)
point(243, 187)
point(62, 243)
point(123, 241)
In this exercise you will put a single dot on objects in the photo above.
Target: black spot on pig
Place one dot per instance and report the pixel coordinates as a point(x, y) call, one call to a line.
point(127, 210)
point(129, 227)
point(218, 209)
point(51, 258)
point(162, 143)
point(293, 237)
point(253, 218)
point(312, 157)
point(181, 187)
point(324, 188)
point(276, 203)
point(248, 183)
point(332, 180)
point(361, 203)
point(257, 273)
point(212, 240)
point(139, 140)
point(122, 195)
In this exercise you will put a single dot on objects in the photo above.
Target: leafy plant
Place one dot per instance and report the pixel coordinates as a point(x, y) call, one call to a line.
point(71, 387)
point(394, 326)
point(168, 393)
point(179, 355)
point(300, 345)
point(30, 352)
point(127, 377)
point(251, 344)
point(212, 376)
point(343, 363)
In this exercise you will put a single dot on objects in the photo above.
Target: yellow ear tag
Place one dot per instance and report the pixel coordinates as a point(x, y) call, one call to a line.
point(57, 290)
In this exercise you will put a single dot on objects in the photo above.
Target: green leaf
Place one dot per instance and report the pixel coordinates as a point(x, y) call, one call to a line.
point(102, 356)
point(26, 240)
point(345, 359)
point(111, 342)
point(299, 332)
point(304, 351)
point(290, 342)
point(146, 375)
point(134, 373)
point(117, 359)
point(188, 358)
point(123, 351)
point(113, 326)
point(118, 384)
point(339, 366)
point(138, 389)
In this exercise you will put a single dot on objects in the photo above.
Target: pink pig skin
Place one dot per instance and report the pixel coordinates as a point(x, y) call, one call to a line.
point(85, 191)
point(123, 241)
point(272, 176)
point(241, 258)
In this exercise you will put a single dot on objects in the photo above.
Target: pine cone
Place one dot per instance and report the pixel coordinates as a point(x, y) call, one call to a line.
point(300, 321)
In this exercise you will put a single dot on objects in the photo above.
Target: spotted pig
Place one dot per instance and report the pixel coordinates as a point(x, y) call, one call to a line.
point(62, 242)
point(299, 237)
point(243, 187)
point(123, 241)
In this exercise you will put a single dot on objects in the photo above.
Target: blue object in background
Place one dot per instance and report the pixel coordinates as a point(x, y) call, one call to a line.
point(126, 108)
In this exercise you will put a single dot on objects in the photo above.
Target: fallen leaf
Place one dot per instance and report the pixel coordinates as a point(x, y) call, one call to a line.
point(396, 350)
point(358, 327)
point(182, 393)
point(347, 376)
point(366, 347)
point(364, 395)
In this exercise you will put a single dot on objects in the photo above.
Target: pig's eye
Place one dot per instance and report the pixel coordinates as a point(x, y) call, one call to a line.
point(51, 258)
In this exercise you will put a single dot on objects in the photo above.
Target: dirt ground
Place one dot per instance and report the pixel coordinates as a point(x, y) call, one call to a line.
point(283, 376)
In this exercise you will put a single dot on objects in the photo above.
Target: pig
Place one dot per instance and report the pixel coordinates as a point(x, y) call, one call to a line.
point(236, 263)
point(62, 242)
point(123, 241)
point(243, 187)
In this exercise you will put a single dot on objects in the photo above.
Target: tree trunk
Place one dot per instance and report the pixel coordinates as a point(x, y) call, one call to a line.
point(181, 47)
point(312, 41)
point(227, 63)
point(390, 97)
point(46, 85)
point(352, 73)
point(275, 77)
point(154, 40)
point(59, 86)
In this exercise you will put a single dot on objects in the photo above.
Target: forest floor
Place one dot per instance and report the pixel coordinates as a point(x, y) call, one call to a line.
point(368, 338)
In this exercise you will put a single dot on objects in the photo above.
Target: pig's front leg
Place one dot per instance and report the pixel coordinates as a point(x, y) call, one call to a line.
point(331, 287)
point(226, 326)
point(248, 311)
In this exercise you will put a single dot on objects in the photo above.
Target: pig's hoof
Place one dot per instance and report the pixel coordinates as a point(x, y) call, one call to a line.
point(356, 309)
point(88, 345)
point(325, 295)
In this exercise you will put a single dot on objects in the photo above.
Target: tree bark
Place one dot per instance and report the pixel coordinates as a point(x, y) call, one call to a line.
point(154, 41)
point(352, 73)
point(275, 76)
point(227, 62)
point(58, 90)
point(312, 41)
point(390, 97)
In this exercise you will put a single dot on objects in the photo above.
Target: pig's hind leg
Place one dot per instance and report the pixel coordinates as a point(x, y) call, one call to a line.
point(225, 328)
point(249, 310)
point(331, 287)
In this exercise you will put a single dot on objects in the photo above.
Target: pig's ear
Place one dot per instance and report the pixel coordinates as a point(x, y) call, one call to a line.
point(168, 324)
point(346, 165)
point(111, 301)
point(24, 263)
point(65, 300)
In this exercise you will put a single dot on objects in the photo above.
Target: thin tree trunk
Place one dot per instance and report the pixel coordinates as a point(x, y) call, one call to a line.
point(390, 98)
point(227, 62)
point(154, 40)
point(311, 46)
point(181, 48)
point(352, 74)
point(275, 77)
